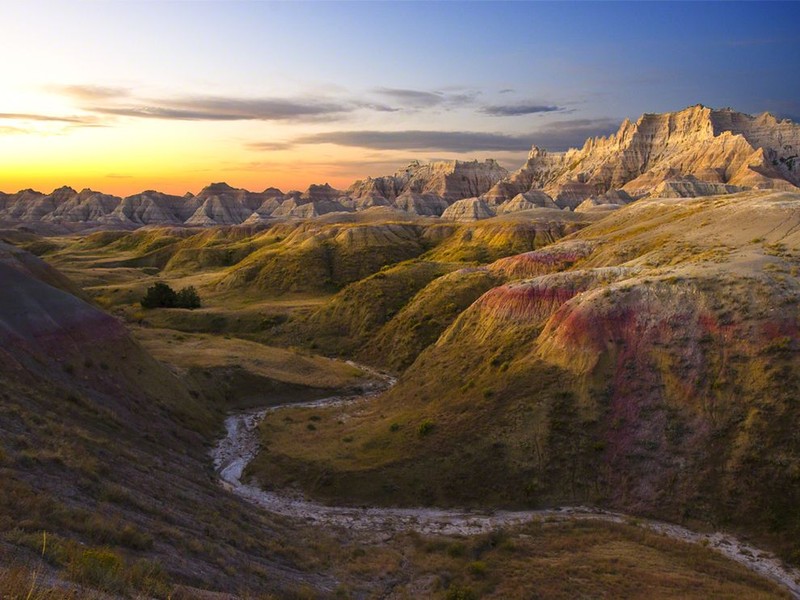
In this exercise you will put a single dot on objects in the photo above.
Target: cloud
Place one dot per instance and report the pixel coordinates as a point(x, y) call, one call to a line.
point(507, 91)
point(557, 136)
point(212, 108)
point(75, 120)
point(415, 98)
point(419, 99)
point(515, 110)
point(89, 92)
point(270, 146)
point(446, 141)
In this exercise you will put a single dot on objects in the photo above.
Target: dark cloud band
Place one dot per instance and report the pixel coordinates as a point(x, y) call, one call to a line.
point(515, 110)
point(556, 137)
point(449, 141)
point(228, 109)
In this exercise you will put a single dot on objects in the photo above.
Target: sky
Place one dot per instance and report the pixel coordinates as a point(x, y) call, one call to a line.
point(126, 96)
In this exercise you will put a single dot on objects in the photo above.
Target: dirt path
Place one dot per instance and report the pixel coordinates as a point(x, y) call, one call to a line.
point(241, 444)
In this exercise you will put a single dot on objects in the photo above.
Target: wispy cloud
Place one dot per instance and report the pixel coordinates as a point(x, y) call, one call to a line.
point(420, 99)
point(75, 120)
point(446, 141)
point(270, 146)
point(415, 98)
point(213, 108)
point(554, 136)
point(89, 92)
point(515, 110)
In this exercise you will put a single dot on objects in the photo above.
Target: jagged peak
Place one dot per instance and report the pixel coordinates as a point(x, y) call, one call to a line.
point(64, 189)
point(216, 188)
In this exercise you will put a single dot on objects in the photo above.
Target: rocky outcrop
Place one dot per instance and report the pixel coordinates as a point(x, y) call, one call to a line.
point(611, 200)
point(220, 210)
point(691, 187)
point(714, 146)
point(449, 180)
point(526, 201)
point(469, 209)
point(150, 208)
point(426, 205)
point(297, 207)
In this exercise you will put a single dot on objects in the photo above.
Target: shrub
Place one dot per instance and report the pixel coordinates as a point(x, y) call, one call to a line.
point(100, 567)
point(188, 298)
point(425, 427)
point(160, 295)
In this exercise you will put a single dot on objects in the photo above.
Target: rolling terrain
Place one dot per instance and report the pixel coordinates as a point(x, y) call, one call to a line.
point(615, 326)
point(106, 452)
point(646, 363)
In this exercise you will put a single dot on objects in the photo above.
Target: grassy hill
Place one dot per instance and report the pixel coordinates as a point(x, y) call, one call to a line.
point(655, 373)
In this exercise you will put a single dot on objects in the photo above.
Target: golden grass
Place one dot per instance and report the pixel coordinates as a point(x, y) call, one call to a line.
point(188, 350)
point(557, 560)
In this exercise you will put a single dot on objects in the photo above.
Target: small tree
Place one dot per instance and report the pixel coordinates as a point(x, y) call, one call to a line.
point(159, 295)
point(188, 298)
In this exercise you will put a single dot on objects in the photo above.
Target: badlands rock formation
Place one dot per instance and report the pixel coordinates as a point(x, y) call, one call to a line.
point(449, 180)
point(698, 151)
point(469, 209)
point(526, 201)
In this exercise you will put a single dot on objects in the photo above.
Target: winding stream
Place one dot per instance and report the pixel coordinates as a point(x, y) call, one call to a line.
point(241, 445)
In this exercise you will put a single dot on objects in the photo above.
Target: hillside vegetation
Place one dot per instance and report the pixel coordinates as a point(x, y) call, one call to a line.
point(648, 363)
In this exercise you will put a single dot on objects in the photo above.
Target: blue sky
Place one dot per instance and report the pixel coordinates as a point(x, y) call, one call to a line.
point(262, 93)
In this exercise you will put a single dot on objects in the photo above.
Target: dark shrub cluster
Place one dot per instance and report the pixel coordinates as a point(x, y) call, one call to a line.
point(160, 295)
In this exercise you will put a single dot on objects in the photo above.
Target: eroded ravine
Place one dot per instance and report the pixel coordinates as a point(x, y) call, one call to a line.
point(241, 444)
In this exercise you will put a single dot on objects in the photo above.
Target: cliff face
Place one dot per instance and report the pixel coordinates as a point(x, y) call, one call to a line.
point(716, 147)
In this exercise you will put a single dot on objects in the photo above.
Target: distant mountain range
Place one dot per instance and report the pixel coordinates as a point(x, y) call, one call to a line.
point(698, 151)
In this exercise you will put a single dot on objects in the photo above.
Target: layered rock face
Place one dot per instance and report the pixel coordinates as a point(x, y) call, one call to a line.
point(469, 209)
point(698, 151)
point(449, 180)
point(694, 152)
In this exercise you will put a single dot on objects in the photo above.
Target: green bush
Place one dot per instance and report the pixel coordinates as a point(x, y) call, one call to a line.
point(425, 427)
point(160, 295)
point(188, 298)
